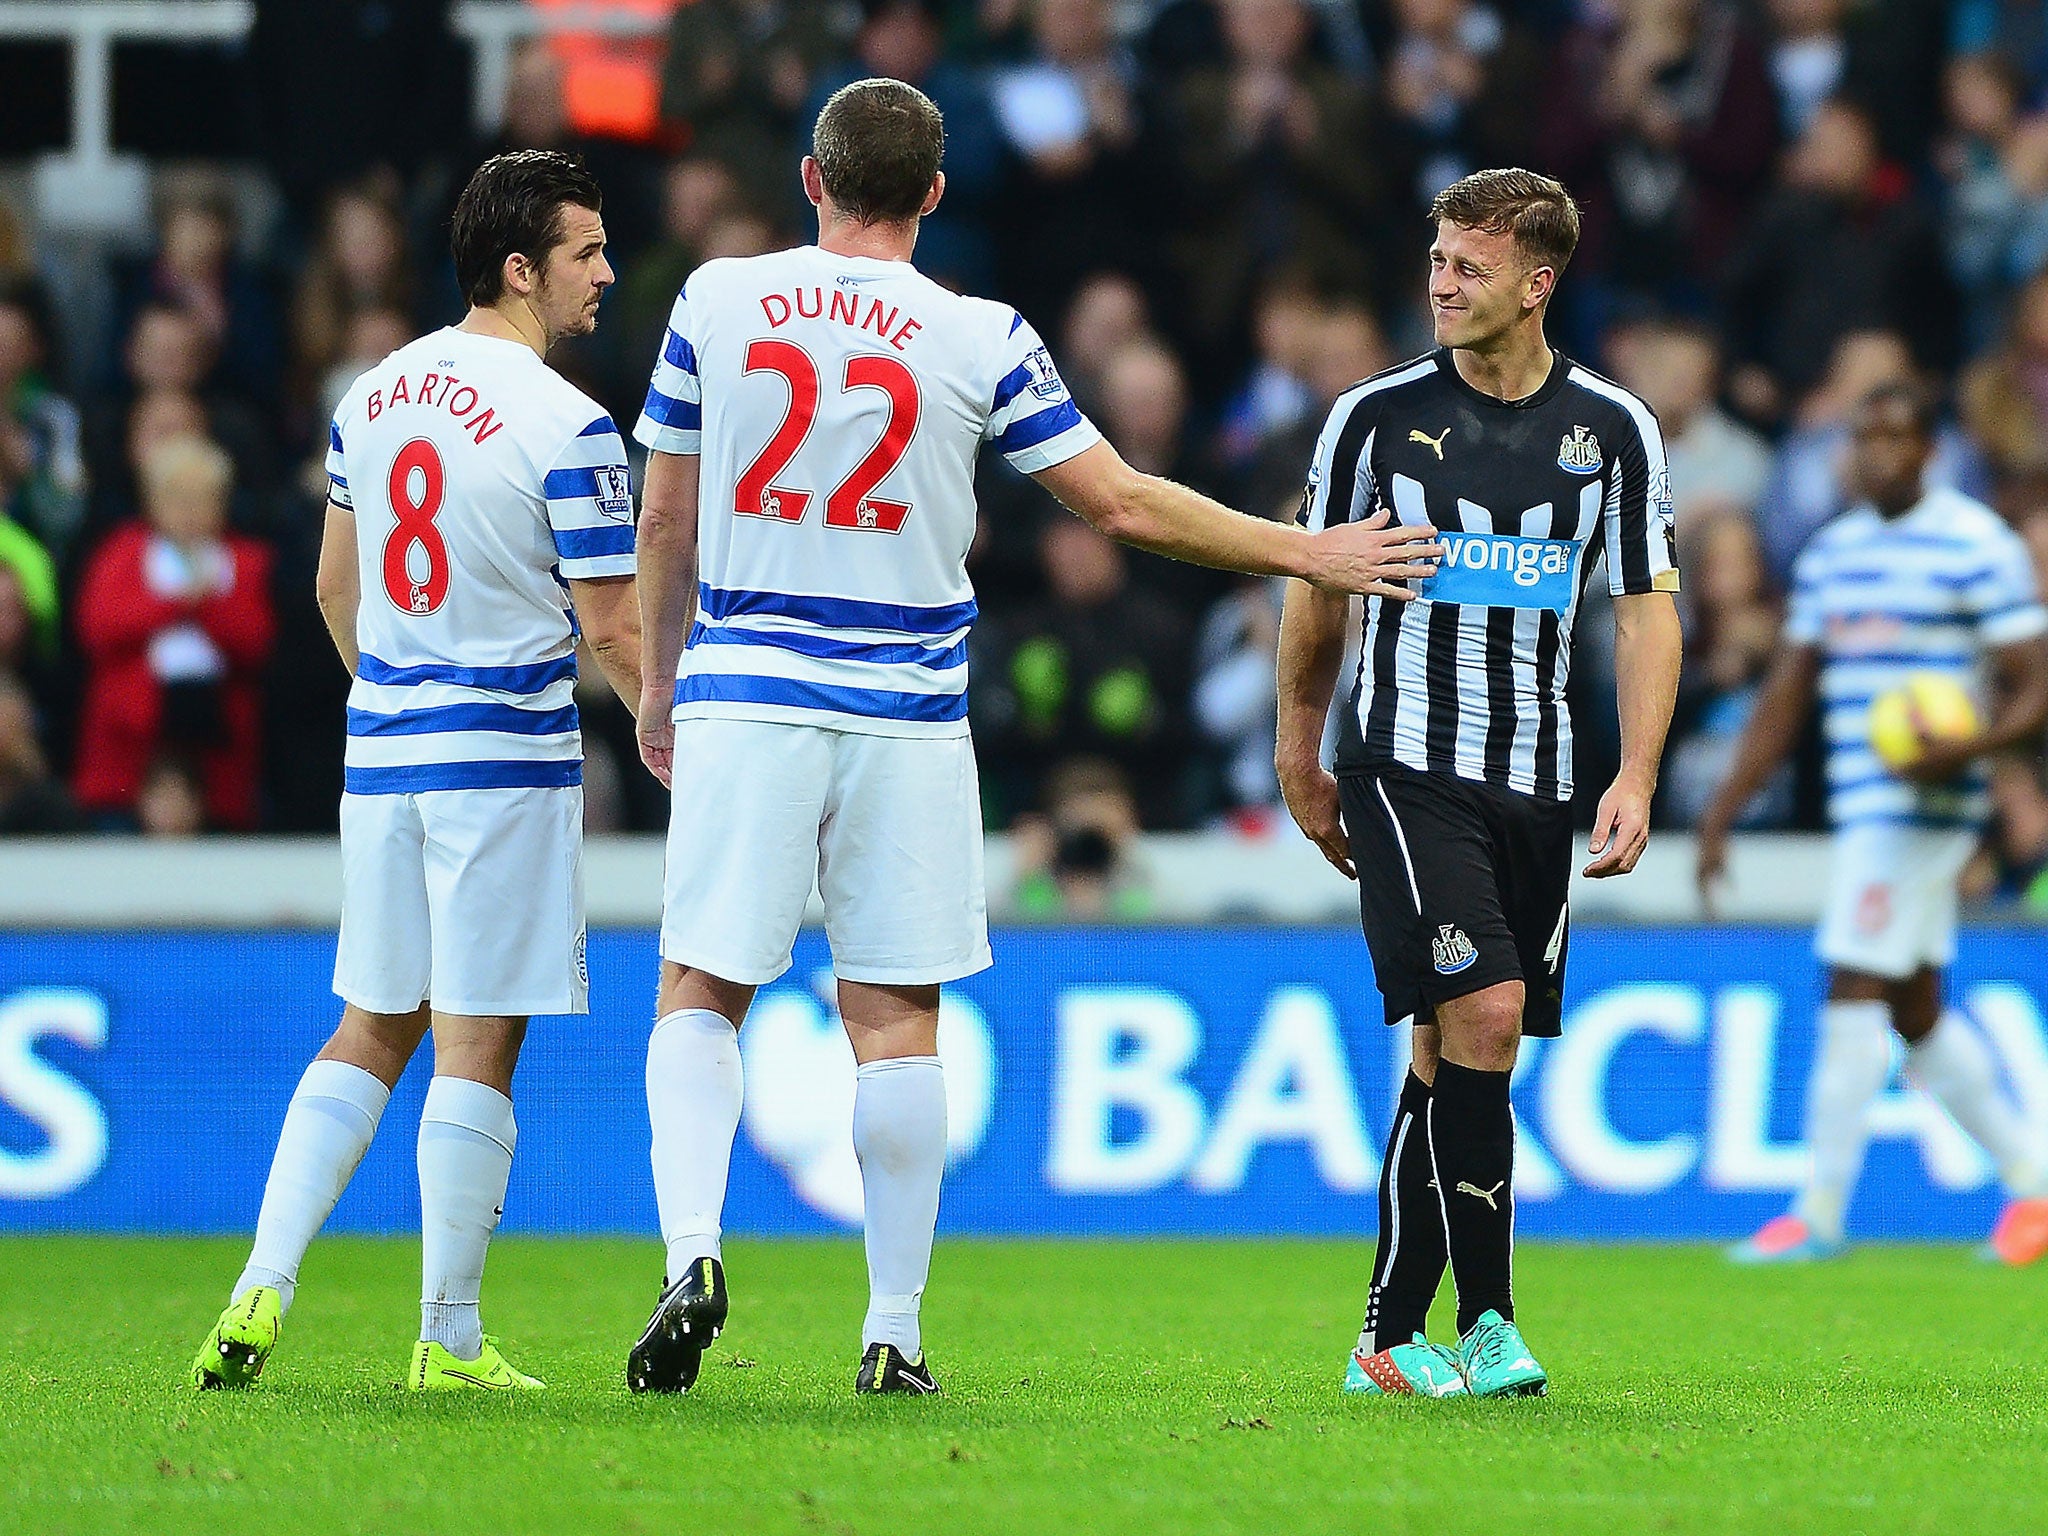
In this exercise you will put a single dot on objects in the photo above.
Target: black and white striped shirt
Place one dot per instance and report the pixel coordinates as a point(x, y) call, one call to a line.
point(1469, 679)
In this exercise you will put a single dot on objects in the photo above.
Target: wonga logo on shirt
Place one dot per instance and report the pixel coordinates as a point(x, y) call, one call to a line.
point(1501, 570)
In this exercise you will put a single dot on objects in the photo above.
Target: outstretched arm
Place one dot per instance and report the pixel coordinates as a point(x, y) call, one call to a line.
point(1311, 651)
point(1171, 520)
point(1648, 646)
point(668, 597)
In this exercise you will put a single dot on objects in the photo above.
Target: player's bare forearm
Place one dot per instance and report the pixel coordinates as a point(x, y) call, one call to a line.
point(667, 546)
point(1768, 736)
point(337, 584)
point(1648, 646)
point(1310, 652)
point(1169, 519)
point(2022, 708)
point(608, 612)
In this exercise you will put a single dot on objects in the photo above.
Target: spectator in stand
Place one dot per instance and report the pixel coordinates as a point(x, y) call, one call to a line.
point(30, 576)
point(40, 454)
point(359, 265)
point(2004, 396)
point(1809, 53)
point(196, 271)
point(1106, 313)
point(1808, 484)
point(903, 40)
point(1717, 464)
point(174, 617)
point(1144, 414)
point(1731, 633)
point(1079, 859)
point(1274, 396)
point(740, 74)
point(1839, 247)
point(168, 356)
point(1098, 668)
point(1659, 117)
point(696, 192)
point(1347, 345)
point(1462, 84)
point(1085, 171)
point(1279, 159)
point(32, 801)
point(1994, 163)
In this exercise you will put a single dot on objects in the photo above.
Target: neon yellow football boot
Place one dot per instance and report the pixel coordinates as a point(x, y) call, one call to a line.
point(241, 1341)
point(435, 1370)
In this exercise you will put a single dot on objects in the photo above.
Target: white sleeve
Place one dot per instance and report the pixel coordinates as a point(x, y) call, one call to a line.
point(1032, 420)
point(337, 468)
point(672, 420)
point(590, 504)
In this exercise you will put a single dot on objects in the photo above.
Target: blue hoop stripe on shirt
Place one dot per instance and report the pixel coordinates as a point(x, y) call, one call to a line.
point(594, 543)
point(828, 649)
point(507, 719)
point(423, 778)
point(677, 351)
point(529, 677)
point(667, 411)
point(1043, 427)
point(562, 484)
point(599, 427)
point(875, 703)
point(838, 612)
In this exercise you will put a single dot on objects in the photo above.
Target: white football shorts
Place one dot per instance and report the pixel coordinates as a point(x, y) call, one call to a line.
point(1892, 897)
point(471, 899)
point(888, 827)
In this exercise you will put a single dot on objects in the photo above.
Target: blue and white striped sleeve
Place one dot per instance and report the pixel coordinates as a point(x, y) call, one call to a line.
point(337, 469)
point(1805, 616)
point(672, 420)
point(590, 504)
point(1032, 420)
point(2003, 597)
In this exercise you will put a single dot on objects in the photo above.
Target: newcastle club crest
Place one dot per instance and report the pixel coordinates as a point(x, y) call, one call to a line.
point(1579, 453)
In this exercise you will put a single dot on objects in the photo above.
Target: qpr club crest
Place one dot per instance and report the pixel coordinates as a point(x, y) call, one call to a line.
point(1452, 951)
point(614, 492)
point(1579, 453)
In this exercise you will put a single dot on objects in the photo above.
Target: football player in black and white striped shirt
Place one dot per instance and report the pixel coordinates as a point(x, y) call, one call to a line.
point(1453, 784)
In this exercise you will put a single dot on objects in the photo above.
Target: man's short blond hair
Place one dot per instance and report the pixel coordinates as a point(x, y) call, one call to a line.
point(1535, 210)
point(188, 460)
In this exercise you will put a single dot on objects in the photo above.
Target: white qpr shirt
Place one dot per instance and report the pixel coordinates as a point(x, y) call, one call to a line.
point(839, 404)
point(1929, 591)
point(481, 480)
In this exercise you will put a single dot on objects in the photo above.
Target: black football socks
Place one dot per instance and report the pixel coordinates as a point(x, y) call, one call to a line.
point(1408, 1265)
point(1472, 1140)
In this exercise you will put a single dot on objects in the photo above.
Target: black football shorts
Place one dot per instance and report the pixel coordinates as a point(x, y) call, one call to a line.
point(1461, 886)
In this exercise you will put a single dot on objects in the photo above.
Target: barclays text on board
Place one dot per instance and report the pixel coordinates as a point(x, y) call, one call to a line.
point(1168, 1081)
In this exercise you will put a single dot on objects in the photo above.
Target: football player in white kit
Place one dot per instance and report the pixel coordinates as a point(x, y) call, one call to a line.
point(1910, 581)
point(479, 513)
point(815, 418)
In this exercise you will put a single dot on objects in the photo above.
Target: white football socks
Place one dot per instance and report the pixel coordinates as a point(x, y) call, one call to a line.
point(694, 1092)
point(329, 1125)
point(899, 1135)
point(1853, 1064)
point(1950, 1062)
point(467, 1134)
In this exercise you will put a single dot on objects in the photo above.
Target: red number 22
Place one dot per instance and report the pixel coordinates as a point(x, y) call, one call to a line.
point(853, 504)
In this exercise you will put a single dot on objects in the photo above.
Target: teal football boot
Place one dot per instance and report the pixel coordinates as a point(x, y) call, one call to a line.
point(1419, 1369)
point(1495, 1361)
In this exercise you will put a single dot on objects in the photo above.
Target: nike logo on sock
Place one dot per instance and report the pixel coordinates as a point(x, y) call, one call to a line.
point(1482, 1194)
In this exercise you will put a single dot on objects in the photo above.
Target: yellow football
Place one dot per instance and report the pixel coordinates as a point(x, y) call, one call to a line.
point(1927, 707)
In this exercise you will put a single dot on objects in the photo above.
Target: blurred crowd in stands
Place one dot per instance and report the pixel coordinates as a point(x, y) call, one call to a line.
point(1213, 209)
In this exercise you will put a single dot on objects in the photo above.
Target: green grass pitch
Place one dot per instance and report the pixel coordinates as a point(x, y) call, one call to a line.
point(1123, 1387)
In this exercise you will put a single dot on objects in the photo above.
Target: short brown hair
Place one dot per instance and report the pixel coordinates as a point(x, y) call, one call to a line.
point(1536, 210)
point(878, 144)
